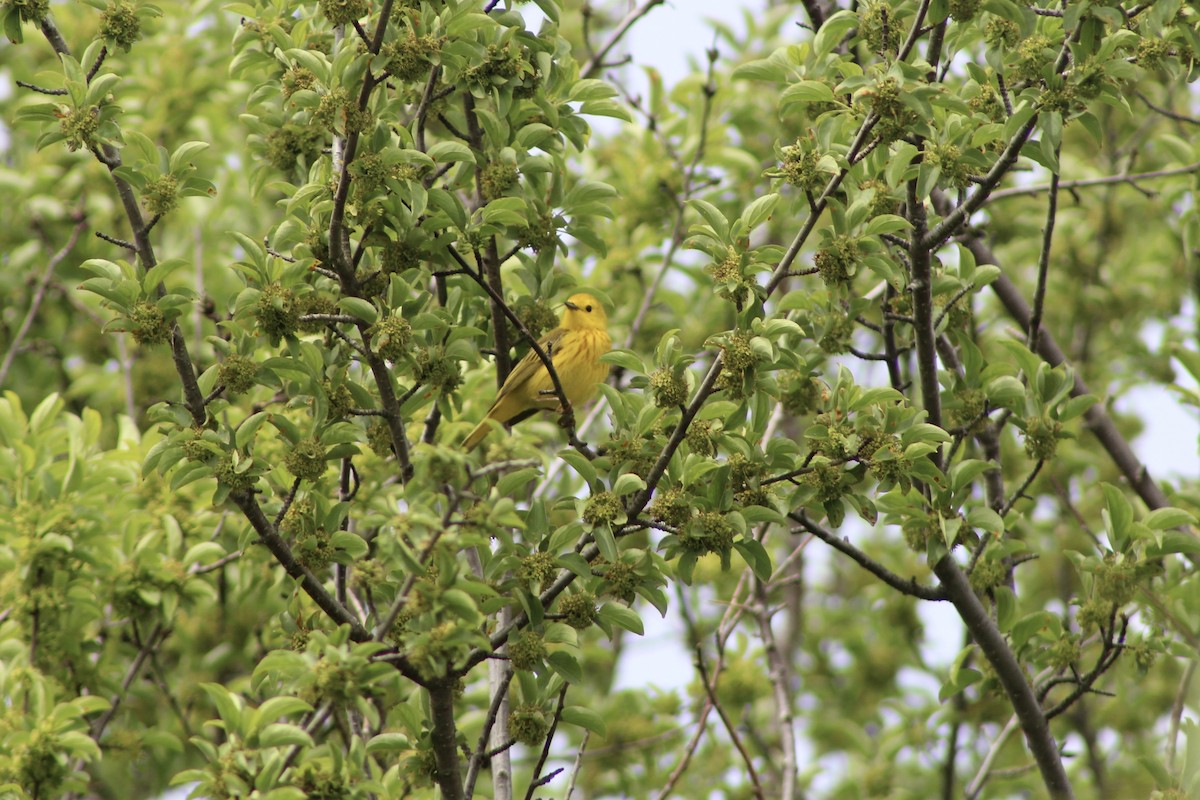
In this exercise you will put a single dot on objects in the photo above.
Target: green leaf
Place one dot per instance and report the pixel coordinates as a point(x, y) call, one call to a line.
point(566, 665)
point(100, 87)
point(925, 432)
point(627, 484)
point(580, 464)
point(756, 556)
point(756, 514)
point(606, 108)
point(763, 69)
point(886, 223)
point(359, 309)
point(281, 735)
point(201, 551)
point(1031, 625)
point(807, 92)
point(1118, 515)
point(623, 616)
point(1006, 608)
point(1173, 541)
point(1154, 765)
point(505, 211)
point(586, 718)
point(833, 31)
point(249, 427)
point(1005, 392)
point(1075, 407)
point(897, 168)
point(229, 706)
point(388, 743)
point(449, 151)
point(278, 707)
point(713, 216)
point(606, 542)
point(183, 155)
point(351, 543)
point(158, 274)
point(1162, 519)
point(626, 359)
point(760, 210)
point(964, 473)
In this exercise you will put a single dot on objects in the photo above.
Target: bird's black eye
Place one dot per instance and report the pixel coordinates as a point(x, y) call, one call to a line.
point(588, 309)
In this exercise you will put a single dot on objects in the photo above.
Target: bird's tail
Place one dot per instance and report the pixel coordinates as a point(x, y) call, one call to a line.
point(476, 436)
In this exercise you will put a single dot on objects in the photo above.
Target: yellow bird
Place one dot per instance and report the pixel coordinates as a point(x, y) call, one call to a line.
point(574, 347)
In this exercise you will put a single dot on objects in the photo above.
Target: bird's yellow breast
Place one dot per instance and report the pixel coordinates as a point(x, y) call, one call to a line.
point(577, 362)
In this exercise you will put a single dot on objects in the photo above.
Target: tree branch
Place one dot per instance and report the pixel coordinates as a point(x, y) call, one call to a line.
point(1096, 418)
point(39, 294)
point(1012, 677)
point(1018, 191)
point(270, 537)
point(729, 726)
point(596, 62)
point(909, 587)
point(444, 738)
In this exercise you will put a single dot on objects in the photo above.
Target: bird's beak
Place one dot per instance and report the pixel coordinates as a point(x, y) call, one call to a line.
point(570, 305)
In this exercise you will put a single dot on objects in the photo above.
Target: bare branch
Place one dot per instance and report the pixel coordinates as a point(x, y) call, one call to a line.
point(909, 587)
point(596, 62)
point(39, 294)
point(730, 728)
point(1018, 191)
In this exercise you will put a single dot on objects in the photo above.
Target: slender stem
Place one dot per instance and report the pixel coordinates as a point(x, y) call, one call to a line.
point(1185, 685)
point(499, 699)
point(985, 768)
point(578, 763)
point(596, 62)
point(909, 587)
point(156, 637)
point(781, 681)
point(730, 728)
point(499, 676)
point(538, 779)
point(39, 294)
point(1039, 293)
point(1019, 191)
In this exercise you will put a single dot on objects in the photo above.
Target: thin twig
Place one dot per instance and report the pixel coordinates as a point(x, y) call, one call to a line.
point(1166, 112)
point(781, 681)
point(1185, 685)
point(985, 768)
point(730, 728)
point(156, 637)
point(39, 294)
point(909, 587)
point(541, 763)
point(498, 696)
point(596, 62)
point(1020, 492)
point(1039, 292)
point(33, 87)
point(578, 763)
point(1018, 191)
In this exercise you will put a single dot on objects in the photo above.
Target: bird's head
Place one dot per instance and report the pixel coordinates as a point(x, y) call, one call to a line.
point(584, 312)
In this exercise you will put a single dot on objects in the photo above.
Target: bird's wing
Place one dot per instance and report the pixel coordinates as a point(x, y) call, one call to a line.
point(528, 366)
